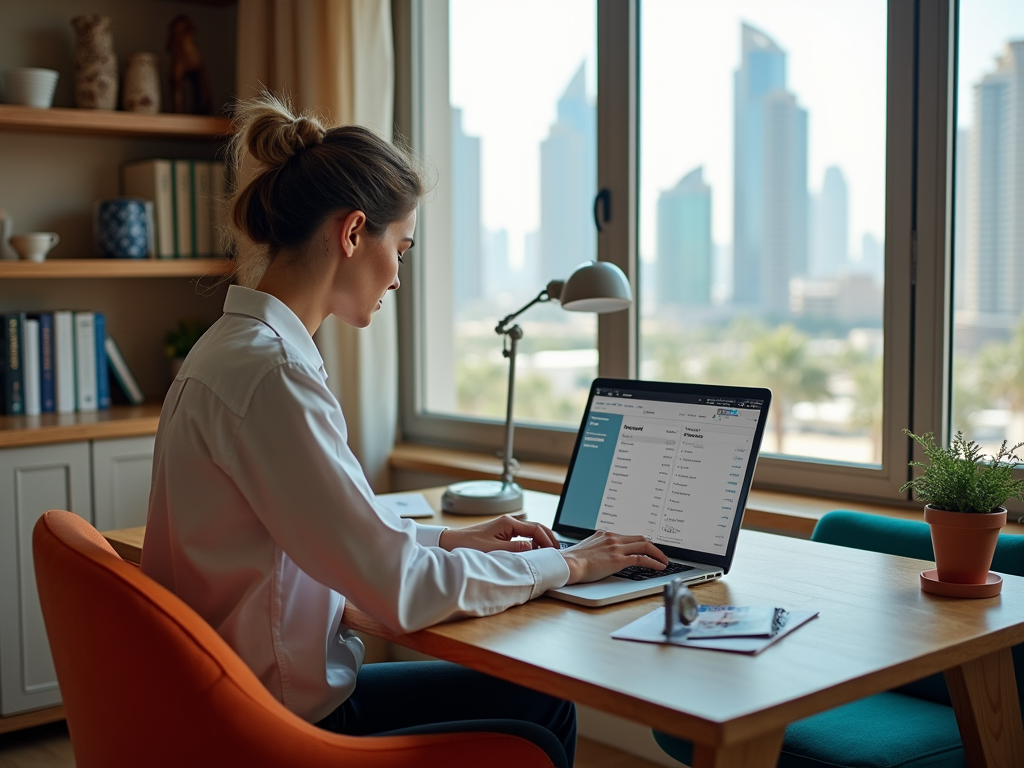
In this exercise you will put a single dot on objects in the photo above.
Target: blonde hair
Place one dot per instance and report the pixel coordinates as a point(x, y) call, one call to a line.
point(293, 171)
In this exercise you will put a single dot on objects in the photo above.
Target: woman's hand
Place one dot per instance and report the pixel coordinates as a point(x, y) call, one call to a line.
point(605, 553)
point(499, 534)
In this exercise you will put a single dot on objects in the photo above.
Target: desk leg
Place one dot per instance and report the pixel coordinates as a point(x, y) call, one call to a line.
point(760, 752)
point(984, 694)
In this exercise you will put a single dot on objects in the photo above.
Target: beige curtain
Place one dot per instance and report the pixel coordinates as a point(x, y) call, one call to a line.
point(337, 57)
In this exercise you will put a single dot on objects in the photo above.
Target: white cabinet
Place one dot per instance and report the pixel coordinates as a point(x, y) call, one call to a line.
point(121, 474)
point(32, 480)
point(104, 481)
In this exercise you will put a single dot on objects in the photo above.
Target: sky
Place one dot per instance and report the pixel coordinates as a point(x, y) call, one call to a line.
point(511, 61)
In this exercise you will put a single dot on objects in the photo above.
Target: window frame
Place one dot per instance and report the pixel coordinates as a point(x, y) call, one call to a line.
point(920, 131)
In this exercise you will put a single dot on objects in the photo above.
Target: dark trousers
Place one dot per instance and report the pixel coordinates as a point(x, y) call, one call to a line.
point(415, 697)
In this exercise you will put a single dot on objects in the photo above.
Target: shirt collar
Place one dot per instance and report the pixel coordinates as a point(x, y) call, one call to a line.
point(276, 314)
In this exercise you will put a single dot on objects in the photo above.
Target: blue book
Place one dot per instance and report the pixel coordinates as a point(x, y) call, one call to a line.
point(102, 375)
point(47, 383)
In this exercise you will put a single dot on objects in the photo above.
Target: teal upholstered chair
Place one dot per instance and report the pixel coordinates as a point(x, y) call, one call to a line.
point(909, 727)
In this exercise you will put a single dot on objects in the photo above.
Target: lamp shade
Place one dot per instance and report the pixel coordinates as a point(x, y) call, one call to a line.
point(596, 286)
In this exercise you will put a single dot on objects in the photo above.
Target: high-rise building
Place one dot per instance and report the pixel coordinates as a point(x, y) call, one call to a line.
point(684, 243)
point(769, 178)
point(830, 238)
point(568, 183)
point(993, 265)
point(467, 230)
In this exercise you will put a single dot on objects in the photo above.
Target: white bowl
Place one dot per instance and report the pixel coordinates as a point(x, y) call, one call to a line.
point(30, 86)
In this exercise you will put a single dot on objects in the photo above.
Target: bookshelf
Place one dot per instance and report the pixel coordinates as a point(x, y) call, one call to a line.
point(97, 122)
point(119, 421)
point(103, 268)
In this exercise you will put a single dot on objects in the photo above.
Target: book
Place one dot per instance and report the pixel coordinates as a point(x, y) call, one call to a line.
point(64, 361)
point(151, 180)
point(181, 176)
point(47, 390)
point(202, 171)
point(85, 361)
point(102, 377)
point(30, 364)
point(219, 194)
point(122, 373)
point(13, 375)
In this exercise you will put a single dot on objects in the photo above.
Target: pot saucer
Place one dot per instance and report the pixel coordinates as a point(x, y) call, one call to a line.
point(930, 583)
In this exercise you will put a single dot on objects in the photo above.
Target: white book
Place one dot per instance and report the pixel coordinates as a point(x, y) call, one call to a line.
point(201, 170)
point(219, 193)
point(184, 204)
point(30, 366)
point(85, 361)
point(124, 376)
point(151, 180)
point(64, 361)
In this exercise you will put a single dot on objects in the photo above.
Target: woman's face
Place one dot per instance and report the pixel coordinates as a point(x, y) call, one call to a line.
point(373, 271)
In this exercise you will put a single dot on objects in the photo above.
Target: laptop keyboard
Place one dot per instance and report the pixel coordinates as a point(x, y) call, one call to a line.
point(639, 572)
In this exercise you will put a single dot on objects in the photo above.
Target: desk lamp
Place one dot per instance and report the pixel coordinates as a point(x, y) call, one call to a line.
point(594, 286)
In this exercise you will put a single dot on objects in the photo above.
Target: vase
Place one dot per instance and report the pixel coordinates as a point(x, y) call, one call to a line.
point(141, 89)
point(95, 63)
point(964, 543)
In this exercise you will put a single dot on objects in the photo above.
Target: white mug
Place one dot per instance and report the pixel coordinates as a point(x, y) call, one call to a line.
point(34, 246)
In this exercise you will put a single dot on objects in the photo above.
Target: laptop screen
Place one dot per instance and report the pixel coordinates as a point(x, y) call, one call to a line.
point(672, 462)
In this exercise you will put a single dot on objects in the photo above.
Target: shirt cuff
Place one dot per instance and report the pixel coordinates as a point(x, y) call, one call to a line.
point(549, 568)
point(430, 535)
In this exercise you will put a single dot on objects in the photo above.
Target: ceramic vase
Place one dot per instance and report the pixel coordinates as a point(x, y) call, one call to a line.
point(141, 90)
point(964, 543)
point(95, 63)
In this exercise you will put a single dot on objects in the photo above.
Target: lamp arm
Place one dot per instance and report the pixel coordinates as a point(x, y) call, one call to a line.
point(502, 328)
point(508, 464)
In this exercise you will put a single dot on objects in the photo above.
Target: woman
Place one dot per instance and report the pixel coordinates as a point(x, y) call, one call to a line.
point(260, 517)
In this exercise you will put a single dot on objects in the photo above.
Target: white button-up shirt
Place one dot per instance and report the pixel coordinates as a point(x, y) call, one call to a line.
point(262, 520)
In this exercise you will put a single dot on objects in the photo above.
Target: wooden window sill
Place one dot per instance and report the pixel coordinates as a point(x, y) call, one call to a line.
point(774, 511)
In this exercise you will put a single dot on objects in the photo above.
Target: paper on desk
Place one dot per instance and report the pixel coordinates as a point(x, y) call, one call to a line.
point(407, 504)
point(651, 629)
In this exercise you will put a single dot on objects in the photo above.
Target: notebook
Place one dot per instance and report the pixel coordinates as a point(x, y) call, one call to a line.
point(672, 462)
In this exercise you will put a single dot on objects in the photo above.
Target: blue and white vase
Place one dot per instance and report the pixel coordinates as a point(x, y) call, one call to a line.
point(122, 228)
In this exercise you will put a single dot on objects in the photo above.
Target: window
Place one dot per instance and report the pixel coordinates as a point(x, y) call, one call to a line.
point(988, 247)
point(781, 183)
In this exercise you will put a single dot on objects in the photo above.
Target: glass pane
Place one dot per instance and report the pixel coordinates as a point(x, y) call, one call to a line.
point(988, 225)
point(514, 145)
point(762, 210)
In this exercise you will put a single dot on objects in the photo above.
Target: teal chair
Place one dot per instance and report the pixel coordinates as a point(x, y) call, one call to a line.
point(909, 727)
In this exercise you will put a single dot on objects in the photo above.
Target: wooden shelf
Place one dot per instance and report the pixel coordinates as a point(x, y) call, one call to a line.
point(101, 122)
point(31, 719)
point(119, 421)
point(115, 268)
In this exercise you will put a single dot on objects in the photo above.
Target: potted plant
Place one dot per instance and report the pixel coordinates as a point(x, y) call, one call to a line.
point(179, 341)
point(964, 491)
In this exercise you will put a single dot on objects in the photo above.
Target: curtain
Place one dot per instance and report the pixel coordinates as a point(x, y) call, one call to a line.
point(337, 57)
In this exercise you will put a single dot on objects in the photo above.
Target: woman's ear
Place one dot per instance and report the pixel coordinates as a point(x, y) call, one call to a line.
point(351, 230)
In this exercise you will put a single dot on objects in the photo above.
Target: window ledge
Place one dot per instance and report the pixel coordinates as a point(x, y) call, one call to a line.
point(793, 514)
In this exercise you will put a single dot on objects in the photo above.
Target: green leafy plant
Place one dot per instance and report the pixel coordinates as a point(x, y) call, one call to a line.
point(178, 342)
point(961, 478)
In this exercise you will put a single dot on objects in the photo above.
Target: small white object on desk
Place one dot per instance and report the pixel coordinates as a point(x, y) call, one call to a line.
point(407, 504)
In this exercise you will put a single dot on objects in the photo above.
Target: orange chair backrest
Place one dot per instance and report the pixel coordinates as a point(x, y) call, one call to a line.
point(147, 682)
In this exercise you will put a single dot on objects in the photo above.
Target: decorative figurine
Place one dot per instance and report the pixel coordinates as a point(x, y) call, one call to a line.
point(141, 90)
point(187, 64)
point(95, 63)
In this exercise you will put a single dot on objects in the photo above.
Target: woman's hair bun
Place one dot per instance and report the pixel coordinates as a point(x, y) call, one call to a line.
point(272, 133)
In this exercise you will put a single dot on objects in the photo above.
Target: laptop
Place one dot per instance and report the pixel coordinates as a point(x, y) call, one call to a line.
point(672, 462)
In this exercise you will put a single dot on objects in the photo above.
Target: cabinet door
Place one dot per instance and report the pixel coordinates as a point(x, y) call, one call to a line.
point(32, 480)
point(121, 473)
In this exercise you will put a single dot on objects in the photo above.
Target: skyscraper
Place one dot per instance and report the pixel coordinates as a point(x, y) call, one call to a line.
point(568, 182)
point(467, 230)
point(993, 266)
point(769, 177)
point(830, 239)
point(684, 243)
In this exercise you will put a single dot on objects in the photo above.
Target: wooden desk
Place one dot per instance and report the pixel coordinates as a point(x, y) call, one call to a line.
point(877, 630)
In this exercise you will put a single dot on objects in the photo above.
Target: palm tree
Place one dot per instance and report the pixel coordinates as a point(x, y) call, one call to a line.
point(778, 360)
point(1002, 371)
point(867, 401)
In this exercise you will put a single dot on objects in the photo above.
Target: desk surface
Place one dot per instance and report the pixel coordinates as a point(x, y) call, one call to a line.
point(876, 630)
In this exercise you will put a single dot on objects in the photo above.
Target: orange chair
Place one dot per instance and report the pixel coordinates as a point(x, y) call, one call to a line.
point(146, 681)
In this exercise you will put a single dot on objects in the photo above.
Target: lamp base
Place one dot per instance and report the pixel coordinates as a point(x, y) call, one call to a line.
point(482, 497)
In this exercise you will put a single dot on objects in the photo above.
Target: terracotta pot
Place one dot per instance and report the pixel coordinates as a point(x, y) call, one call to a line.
point(964, 543)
